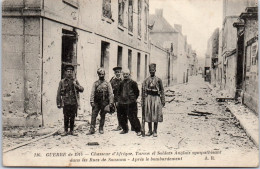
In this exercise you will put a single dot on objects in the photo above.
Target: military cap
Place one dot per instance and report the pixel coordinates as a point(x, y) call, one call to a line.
point(152, 66)
point(69, 67)
point(117, 68)
point(101, 70)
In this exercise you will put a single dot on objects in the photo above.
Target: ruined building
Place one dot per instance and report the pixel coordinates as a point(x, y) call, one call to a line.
point(231, 71)
point(39, 36)
point(247, 56)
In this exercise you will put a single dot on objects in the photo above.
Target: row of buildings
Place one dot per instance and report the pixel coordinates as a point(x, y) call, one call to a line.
point(39, 36)
point(232, 52)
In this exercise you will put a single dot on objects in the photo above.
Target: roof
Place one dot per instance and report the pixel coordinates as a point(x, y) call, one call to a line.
point(160, 24)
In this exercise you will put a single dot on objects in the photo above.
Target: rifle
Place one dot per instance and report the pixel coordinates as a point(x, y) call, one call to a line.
point(143, 122)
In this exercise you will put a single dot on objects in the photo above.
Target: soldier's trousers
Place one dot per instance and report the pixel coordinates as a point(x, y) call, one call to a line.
point(69, 112)
point(118, 115)
point(98, 107)
point(129, 111)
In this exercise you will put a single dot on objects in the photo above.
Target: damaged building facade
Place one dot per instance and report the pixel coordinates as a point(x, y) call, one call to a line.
point(39, 36)
point(247, 55)
point(235, 67)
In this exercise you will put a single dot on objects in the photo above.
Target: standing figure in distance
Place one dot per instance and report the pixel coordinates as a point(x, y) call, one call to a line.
point(153, 100)
point(127, 105)
point(68, 98)
point(101, 96)
point(115, 82)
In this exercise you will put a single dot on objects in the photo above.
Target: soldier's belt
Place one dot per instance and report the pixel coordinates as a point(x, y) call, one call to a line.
point(153, 93)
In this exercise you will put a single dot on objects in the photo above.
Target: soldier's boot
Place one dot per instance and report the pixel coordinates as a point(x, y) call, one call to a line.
point(155, 129)
point(73, 133)
point(102, 123)
point(65, 133)
point(101, 131)
point(150, 129)
point(91, 130)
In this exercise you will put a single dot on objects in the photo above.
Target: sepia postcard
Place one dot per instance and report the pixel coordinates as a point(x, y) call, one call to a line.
point(130, 83)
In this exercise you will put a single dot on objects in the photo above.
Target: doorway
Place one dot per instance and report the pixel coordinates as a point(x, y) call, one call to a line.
point(240, 61)
point(69, 50)
point(104, 61)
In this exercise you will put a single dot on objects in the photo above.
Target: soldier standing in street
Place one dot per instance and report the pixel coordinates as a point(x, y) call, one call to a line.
point(101, 96)
point(115, 82)
point(153, 100)
point(127, 105)
point(68, 98)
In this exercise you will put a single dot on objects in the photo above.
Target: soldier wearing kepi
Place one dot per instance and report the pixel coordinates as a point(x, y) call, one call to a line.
point(115, 82)
point(68, 98)
point(153, 100)
point(101, 96)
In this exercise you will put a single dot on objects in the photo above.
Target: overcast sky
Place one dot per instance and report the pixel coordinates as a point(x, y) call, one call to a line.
point(199, 19)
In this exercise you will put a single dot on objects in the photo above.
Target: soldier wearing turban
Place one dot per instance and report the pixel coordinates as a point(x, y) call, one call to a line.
point(101, 97)
point(153, 100)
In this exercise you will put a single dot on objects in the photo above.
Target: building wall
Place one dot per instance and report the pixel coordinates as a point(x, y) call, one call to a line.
point(251, 80)
point(229, 40)
point(161, 68)
point(21, 70)
point(220, 76)
point(180, 66)
point(230, 85)
point(33, 73)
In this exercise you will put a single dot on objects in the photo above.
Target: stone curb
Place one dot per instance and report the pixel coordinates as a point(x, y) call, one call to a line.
point(248, 132)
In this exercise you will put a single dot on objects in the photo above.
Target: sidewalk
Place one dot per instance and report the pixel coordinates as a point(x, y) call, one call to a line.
point(248, 120)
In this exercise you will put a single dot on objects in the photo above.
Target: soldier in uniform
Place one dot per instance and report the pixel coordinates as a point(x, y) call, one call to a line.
point(101, 96)
point(68, 98)
point(115, 81)
point(153, 100)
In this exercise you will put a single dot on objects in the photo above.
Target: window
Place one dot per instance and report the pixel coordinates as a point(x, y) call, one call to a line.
point(121, 8)
point(119, 55)
point(130, 15)
point(107, 9)
point(145, 23)
point(130, 60)
point(138, 66)
point(139, 17)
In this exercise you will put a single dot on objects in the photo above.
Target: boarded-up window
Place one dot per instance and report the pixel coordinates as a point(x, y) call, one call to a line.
point(107, 9)
point(139, 17)
point(130, 15)
point(121, 8)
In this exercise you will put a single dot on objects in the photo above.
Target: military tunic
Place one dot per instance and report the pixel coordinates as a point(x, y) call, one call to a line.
point(68, 98)
point(101, 96)
point(115, 82)
point(153, 98)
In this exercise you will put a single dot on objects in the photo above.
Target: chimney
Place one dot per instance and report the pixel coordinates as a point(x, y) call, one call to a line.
point(159, 12)
point(178, 27)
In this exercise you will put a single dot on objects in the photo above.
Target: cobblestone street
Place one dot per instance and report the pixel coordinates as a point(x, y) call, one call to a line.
point(193, 123)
